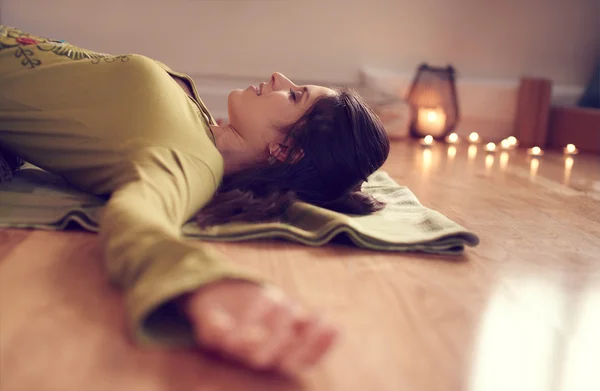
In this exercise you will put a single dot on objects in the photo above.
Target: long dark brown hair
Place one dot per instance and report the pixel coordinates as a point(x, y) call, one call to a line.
point(343, 142)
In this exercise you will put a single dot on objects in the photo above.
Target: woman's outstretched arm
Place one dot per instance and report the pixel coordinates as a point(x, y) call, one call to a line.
point(143, 249)
point(179, 293)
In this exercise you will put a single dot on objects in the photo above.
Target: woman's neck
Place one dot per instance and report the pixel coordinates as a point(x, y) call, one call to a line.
point(233, 148)
point(228, 141)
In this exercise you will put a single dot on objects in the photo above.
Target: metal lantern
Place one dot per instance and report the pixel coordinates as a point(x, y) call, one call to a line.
point(433, 101)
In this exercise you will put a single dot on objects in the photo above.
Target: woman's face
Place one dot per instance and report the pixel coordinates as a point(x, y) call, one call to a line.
point(258, 112)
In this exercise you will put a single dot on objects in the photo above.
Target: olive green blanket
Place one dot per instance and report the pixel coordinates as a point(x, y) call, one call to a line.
point(40, 200)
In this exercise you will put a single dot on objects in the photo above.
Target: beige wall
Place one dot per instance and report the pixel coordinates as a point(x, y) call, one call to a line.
point(329, 40)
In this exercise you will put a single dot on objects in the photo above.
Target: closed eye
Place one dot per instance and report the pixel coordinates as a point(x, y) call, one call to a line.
point(293, 95)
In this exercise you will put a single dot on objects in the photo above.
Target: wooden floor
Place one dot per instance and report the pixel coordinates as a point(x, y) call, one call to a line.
point(519, 312)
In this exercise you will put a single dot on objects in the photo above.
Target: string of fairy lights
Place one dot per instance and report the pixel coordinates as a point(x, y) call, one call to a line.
point(504, 146)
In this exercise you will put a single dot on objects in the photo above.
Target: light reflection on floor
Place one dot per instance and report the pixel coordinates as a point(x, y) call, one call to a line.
point(537, 333)
point(501, 159)
point(527, 341)
point(582, 354)
point(518, 340)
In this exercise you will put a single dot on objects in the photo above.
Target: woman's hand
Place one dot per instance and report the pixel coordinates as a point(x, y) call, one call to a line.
point(258, 326)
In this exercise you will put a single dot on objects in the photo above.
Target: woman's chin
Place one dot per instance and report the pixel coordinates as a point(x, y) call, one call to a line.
point(233, 98)
point(235, 92)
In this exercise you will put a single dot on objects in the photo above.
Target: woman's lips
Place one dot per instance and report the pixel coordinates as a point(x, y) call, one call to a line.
point(258, 89)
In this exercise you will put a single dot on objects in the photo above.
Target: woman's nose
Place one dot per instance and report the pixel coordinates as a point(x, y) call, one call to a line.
point(280, 81)
point(275, 80)
point(277, 75)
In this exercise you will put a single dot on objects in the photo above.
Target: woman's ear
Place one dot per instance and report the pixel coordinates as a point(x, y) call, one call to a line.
point(280, 152)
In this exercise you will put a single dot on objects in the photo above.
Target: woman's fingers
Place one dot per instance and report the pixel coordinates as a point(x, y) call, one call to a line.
point(251, 334)
point(312, 343)
point(280, 324)
point(275, 320)
point(321, 346)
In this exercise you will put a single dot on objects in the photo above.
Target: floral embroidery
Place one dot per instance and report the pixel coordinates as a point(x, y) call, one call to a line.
point(17, 39)
point(109, 59)
point(20, 38)
point(27, 58)
point(69, 51)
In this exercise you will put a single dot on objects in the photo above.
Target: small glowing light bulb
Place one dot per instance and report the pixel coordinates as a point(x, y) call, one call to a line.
point(570, 149)
point(427, 141)
point(535, 151)
point(452, 138)
point(473, 137)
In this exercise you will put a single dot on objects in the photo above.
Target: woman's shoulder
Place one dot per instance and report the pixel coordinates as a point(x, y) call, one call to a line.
point(200, 168)
point(149, 61)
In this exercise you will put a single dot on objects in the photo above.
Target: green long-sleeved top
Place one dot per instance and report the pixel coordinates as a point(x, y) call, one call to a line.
point(121, 126)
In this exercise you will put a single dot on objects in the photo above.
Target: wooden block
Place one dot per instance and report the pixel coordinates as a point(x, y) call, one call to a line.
point(533, 110)
point(575, 125)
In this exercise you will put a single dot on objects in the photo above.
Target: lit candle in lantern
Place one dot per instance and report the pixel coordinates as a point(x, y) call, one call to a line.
point(432, 95)
point(427, 141)
point(431, 121)
point(570, 149)
point(490, 147)
point(512, 140)
point(452, 138)
point(474, 137)
point(535, 151)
